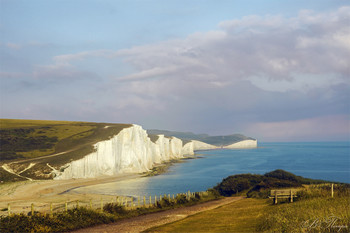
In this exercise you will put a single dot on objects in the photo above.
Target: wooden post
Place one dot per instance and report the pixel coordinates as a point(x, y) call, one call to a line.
point(144, 201)
point(32, 209)
point(77, 204)
point(332, 190)
point(9, 209)
point(291, 196)
point(117, 200)
point(155, 199)
point(51, 209)
point(169, 197)
point(66, 206)
point(275, 197)
point(150, 201)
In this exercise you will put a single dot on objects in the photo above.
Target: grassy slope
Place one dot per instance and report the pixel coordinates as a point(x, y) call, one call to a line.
point(240, 216)
point(316, 211)
point(25, 141)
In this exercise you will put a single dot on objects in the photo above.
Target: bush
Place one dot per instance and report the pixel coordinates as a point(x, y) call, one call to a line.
point(115, 209)
point(259, 186)
point(74, 219)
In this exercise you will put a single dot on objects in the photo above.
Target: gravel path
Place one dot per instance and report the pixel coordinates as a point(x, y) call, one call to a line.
point(144, 222)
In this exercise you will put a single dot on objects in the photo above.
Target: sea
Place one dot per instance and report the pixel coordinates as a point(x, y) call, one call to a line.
point(328, 161)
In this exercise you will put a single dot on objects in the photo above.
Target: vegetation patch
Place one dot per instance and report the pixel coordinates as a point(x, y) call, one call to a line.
point(316, 211)
point(84, 217)
point(260, 185)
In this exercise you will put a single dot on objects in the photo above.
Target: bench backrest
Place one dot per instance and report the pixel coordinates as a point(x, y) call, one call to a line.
point(282, 192)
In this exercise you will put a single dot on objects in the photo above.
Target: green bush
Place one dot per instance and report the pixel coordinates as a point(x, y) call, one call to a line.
point(74, 219)
point(259, 186)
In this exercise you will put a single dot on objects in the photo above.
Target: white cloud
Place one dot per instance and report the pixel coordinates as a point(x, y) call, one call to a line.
point(284, 72)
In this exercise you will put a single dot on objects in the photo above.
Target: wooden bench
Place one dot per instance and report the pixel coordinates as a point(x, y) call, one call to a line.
point(282, 193)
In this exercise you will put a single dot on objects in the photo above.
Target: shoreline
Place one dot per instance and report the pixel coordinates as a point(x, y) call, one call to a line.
point(20, 195)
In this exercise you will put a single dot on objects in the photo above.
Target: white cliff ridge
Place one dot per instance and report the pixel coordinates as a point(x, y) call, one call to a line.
point(133, 151)
point(243, 144)
point(130, 151)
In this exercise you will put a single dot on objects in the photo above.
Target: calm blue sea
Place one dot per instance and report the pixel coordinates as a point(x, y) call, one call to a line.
point(318, 160)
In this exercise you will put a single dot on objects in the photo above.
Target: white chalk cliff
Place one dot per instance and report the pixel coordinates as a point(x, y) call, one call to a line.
point(198, 145)
point(130, 151)
point(243, 144)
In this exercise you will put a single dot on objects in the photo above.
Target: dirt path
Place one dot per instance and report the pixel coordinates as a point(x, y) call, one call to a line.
point(142, 223)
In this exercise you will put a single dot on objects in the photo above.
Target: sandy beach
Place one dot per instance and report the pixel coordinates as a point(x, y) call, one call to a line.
point(41, 193)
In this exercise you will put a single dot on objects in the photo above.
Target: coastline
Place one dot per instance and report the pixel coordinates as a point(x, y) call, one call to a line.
point(43, 192)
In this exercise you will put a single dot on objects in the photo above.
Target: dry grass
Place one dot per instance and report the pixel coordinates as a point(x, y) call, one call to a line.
point(240, 216)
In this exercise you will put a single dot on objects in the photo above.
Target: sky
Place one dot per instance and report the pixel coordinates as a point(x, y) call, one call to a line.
point(273, 70)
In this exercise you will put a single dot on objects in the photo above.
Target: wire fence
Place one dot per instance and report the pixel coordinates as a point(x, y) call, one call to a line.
point(96, 204)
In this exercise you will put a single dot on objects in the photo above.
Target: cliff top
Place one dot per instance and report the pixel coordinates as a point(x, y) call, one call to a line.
point(213, 140)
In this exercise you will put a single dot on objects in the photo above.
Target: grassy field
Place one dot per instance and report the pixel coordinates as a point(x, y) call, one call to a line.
point(53, 142)
point(240, 216)
point(315, 211)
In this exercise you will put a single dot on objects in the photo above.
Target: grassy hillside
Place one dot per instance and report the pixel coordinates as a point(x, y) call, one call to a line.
point(54, 142)
point(314, 210)
point(213, 140)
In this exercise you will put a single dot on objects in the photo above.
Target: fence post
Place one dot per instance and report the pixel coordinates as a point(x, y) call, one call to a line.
point(32, 209)
point(66, 206)
point(9, 209)
point(51, 209)
point(155, 200)
point(77, 204)
point(150, 201)
point(291, 196)
point(332, 190)
point(144, 201)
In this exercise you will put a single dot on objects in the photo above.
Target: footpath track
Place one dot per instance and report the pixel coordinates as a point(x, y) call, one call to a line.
point(144, 222)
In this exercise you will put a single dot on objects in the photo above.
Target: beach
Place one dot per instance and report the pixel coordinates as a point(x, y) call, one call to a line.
point(41, 193)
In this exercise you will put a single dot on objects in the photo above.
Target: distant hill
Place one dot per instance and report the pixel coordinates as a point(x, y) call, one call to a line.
point(213, 140)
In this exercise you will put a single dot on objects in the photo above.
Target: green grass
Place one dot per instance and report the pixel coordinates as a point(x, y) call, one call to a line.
point(239, 216)
point(314, 211)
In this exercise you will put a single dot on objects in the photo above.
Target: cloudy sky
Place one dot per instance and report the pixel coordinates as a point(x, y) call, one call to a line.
point(274, 70)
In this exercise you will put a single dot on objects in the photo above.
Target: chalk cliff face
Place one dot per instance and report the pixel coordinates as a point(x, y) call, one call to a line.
point(130, 151)
point(243, 144)
point(198, 145)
